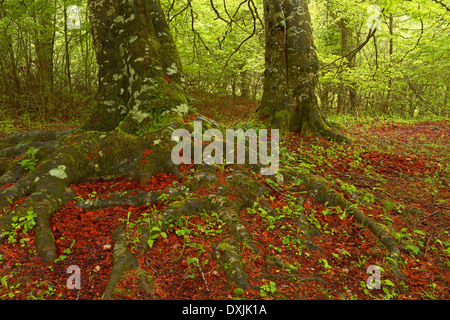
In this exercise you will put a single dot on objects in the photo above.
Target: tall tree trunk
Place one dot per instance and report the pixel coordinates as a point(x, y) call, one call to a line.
point(289, 97)
point(171, 61)
point(134, 87)
point(44, 42)
point(347, 93)
point(67, 54)
point(9, 66)
point(391, 52)
point(244, 78)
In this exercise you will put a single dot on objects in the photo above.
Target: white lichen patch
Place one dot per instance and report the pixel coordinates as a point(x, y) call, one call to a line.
point(117, 77)
point(109, 103)
point(172, 70)
point(59, 172)
point(119, 19)
point(139, 116)
point(181, 110)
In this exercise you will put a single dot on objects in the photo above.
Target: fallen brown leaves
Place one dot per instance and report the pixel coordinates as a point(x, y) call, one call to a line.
point(181, 266)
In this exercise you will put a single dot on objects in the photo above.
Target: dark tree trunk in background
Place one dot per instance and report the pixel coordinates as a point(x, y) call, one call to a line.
point(391, 52)
point(347, 99)
point(67, 53)
point(289, 99)
point(43, 42)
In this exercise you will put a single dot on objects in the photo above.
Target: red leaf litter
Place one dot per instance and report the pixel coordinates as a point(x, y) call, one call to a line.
point(337, 271)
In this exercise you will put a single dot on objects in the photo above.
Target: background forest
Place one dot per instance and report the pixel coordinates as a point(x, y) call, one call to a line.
point(49, 73)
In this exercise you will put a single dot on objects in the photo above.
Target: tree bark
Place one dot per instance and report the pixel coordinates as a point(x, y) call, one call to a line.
point(290, 98)
point(44, 42)
point(66, 46)
point(134, 88)
point(346, 90)
point(170, 61)
point(391, 52)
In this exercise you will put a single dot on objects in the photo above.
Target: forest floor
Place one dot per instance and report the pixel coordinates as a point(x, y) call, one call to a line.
point(402, 170)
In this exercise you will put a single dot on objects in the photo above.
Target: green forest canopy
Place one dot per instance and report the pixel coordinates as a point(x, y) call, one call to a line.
point(403, 68)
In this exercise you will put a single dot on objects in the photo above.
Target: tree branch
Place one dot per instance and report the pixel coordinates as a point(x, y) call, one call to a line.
point(442, 4)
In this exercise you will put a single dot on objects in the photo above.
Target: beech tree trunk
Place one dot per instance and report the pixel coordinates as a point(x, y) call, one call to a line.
point(290, 98)
point(347, 98)
point(139, 67)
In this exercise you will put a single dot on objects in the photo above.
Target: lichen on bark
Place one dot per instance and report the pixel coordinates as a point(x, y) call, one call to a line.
point(134, 87)
point(289, 98)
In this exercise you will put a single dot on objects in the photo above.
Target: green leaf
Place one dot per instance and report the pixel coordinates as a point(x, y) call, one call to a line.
point(388, 282)
point(419, 232)
point(155, 228)
point(4, 282)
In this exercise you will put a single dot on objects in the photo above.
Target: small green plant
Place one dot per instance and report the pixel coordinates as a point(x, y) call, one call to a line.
point(21, 223)
point(12, 289)
point(325, 264)
point(238, 292)
point(164, 198)
point(93, 194)
point(388, 294)
point(66, 252)
point(155, 232)
point(30, 163)
point(267, 289)
point(193, 261)
point(430, 294)
point(8, 127)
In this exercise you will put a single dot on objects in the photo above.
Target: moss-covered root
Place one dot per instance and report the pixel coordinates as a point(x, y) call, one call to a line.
point(227, 255)
point(33, 136)
point(14, 149)
point(313, 123)
point(47, 200)
point(123, 259)
point(322, 193)
point(204, 175)
point(319, 127)
point(52, 193)
point(244, 191)
point(20, 189)
point(228, 211)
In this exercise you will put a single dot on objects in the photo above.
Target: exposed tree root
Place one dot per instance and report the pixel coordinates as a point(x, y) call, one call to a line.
point(84, 156)
point(320, 191)
point(123, 259)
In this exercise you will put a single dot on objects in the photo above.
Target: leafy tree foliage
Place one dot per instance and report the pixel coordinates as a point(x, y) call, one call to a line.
point(48, 69)
point(395, 72)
